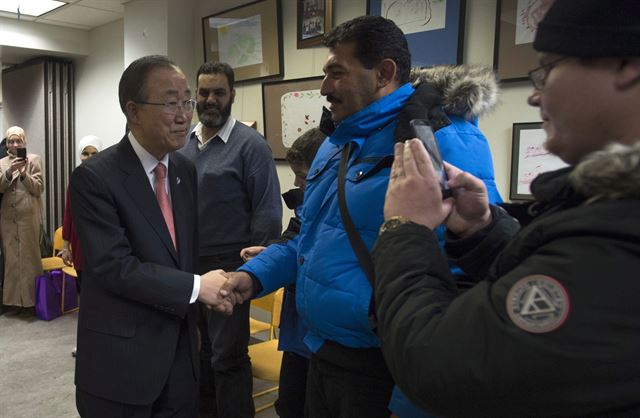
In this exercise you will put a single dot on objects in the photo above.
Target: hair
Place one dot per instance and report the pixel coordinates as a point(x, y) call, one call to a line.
point(133, 83)
point(376, 39)
point(217, 68)
point(304, 149)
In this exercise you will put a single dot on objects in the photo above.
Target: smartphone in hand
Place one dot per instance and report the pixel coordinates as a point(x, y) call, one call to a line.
point(21, 153)
point(423, 132)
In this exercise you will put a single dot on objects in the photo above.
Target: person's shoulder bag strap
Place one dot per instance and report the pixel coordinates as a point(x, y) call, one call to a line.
point(358, 245)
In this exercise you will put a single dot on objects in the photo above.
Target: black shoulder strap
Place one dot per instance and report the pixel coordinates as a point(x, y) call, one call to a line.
point(358, 245)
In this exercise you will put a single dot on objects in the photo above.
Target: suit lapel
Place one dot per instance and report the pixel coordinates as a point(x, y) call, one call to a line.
point(136, 183)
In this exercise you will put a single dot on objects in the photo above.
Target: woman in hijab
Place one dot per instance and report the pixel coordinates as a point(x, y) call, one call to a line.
point(71, 252)
point(22, 184)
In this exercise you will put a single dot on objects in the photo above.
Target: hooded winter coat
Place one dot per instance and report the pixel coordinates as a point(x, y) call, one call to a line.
point(551, 329)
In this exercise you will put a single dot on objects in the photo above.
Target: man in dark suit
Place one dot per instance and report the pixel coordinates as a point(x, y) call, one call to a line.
point(135, 208)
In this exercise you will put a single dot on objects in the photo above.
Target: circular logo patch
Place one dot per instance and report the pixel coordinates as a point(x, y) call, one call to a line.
point(538, 304)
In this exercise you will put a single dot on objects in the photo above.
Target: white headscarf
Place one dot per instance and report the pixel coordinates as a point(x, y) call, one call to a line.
point(89, 140)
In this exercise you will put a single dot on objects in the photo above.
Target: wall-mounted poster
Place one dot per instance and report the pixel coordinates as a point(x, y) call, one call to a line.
point(291, 107)
point(529, 158)
point(248, 38)
point(516, 24)
point(314, 20)
point(434, 28)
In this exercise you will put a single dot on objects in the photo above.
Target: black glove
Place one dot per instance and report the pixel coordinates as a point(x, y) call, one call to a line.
point(424, 103)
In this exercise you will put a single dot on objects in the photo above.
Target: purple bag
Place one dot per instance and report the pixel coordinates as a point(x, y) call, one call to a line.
point(49, 295)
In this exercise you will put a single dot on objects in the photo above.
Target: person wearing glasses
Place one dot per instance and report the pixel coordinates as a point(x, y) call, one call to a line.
point(239, 207)
point(22, 183)
point(552, 327)
point(134, 206)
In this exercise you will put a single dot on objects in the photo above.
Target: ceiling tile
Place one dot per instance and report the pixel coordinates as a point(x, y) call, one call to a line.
point(79, 15)
point(111, 5)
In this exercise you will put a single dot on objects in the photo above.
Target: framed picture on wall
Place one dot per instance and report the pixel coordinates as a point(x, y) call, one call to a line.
point(516, 24)
point(314, 20)
point(248, 37)
point(529, 158)
point(291, 107)
point(434, 28)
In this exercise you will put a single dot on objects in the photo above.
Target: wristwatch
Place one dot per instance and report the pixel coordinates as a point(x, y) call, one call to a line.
point(393, 223)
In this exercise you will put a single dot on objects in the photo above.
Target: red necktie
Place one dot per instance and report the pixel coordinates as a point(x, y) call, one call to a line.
point(163, 199)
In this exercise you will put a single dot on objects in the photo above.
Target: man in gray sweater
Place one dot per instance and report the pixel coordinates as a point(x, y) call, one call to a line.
point(240, 206)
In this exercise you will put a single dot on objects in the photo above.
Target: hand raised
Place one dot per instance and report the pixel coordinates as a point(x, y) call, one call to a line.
point(470, 211)
point(248, 253)
point(414, 192)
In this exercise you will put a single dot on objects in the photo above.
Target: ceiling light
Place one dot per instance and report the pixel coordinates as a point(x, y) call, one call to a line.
point(30, 7)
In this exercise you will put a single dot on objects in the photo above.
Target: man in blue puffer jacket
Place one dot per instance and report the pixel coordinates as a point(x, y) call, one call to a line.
point(366, 83)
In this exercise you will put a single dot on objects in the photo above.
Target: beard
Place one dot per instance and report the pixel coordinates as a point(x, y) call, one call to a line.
point(213, 120)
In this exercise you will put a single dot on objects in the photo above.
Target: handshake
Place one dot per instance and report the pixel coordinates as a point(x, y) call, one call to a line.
point(221, 291)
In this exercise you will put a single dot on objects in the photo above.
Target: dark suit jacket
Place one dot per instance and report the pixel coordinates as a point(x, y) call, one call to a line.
point(136, 287)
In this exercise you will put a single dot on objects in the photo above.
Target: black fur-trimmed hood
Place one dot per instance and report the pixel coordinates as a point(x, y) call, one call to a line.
point(613, 173)
point(467, 90)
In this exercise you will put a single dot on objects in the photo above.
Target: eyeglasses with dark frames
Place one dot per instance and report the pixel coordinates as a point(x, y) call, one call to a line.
point(538, 76)
point(171, 108)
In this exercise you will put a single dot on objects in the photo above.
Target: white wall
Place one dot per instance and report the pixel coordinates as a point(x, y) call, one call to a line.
point(97, 77)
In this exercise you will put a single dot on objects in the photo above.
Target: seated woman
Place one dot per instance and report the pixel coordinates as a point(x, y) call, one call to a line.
point(22, 185)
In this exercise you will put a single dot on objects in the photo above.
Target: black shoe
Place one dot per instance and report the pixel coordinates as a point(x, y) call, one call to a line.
point(27, 312)
point(12, 311)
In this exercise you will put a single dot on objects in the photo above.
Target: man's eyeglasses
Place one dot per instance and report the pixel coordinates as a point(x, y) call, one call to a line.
point(171, 108)
point(538, 76)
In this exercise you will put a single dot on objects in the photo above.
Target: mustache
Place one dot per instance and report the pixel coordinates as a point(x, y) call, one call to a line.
point(333, 99)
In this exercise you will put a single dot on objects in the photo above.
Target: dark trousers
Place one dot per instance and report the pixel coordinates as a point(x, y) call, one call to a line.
point(292, 386)
point(345, 382)
point(177, 399)
point(226, 382)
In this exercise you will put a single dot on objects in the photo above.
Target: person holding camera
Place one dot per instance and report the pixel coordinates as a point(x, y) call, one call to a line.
point(551, 326)
point(22, 184)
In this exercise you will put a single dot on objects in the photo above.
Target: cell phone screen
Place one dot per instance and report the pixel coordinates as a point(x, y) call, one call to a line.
point(21, 152)
point(422, 131)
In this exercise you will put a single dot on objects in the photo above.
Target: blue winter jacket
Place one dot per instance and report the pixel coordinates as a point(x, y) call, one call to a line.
point(332, 291)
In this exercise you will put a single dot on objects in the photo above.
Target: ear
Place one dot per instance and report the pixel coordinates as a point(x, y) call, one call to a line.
point(233, 95)
point(131, 110)
point(386, 72)
point(628, 73)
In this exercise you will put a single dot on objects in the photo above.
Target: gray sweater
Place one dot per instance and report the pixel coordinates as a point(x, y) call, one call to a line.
point(238, 191)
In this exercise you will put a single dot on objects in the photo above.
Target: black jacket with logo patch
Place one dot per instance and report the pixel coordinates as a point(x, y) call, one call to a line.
point(552, 327)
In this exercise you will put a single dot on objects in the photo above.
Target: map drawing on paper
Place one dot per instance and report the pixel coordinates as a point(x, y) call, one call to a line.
point(528, 15)
point(415, 15)
point(239, 40)
point(534, 159)
point(301, 111)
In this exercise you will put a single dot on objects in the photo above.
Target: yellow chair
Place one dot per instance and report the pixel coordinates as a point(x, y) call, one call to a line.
point(54, 262)
point(265, 357)
point(266, 304)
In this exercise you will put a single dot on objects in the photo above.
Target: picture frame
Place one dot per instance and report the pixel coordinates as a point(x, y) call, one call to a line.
point(314, 19)
point(441, 23)
point(291, 107)
point(529, 159)
point(248, 38)
point(516, 22)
